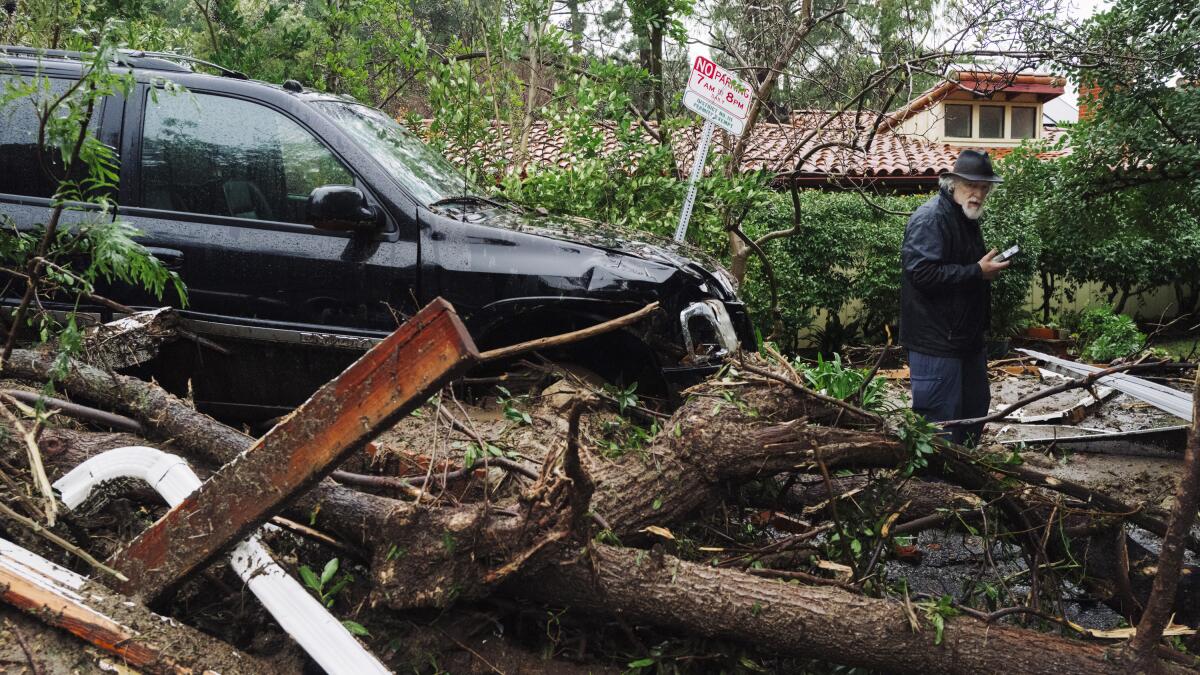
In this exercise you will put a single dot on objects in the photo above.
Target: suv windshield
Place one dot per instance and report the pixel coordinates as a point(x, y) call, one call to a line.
point(427, 174)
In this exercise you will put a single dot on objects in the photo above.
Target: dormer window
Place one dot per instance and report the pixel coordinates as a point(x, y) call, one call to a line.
point(984, 121)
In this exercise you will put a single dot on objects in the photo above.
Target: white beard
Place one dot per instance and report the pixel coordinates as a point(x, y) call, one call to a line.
point(973, 213)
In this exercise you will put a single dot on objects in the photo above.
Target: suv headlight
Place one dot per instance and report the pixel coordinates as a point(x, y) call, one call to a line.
point(707, 323)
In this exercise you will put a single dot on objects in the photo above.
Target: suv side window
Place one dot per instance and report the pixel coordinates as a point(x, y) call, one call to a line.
point(228, 157)
point(22, 170)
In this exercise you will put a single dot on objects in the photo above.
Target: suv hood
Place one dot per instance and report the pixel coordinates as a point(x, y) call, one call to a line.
point(614, 238)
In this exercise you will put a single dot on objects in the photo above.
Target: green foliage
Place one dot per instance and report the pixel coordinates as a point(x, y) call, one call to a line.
point(936, 613)
point(1073, 232)
point(472, 453)
point(1104, 336)
point(842, 265)
point(842, 382)
point(1123, 208)
point(1146, 129)
point(511, 406)
point(325, 586)
point(1019, 212)
point(621, 436)
point(625, 398)
point(917, 434)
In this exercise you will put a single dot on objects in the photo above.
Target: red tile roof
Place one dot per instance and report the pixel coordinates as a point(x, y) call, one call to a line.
point(775, 147)
point(772, 147)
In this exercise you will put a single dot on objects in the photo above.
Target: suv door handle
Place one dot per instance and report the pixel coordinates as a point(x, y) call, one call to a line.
point(171, 258)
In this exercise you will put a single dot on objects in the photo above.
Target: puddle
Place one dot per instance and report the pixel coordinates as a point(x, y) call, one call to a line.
point(954, 564)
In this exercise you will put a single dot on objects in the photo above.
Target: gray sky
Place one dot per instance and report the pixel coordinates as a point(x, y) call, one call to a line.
point(1065, 107)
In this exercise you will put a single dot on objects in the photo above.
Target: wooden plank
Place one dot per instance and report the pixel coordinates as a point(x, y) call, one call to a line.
point(89, 610)
point(389, 381)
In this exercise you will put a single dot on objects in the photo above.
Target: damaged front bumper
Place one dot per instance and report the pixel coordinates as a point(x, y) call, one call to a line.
point(708, 329)
point(711, 330)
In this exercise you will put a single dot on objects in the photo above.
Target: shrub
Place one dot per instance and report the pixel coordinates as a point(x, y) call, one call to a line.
point(1104, 336)
point(844, 263)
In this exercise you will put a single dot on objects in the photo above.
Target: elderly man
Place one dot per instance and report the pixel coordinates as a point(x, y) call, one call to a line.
point(945, 297)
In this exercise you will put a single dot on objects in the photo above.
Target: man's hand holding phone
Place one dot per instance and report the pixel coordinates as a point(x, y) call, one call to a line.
point(991, 264)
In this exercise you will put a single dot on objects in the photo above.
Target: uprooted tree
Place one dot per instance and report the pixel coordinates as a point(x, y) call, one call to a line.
point(759, 525)
point(585, 500)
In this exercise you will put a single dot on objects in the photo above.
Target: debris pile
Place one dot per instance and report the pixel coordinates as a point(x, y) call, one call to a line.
point(574, 525)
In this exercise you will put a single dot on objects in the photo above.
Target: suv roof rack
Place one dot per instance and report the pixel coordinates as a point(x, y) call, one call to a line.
point(164, 61)
point(169, 57)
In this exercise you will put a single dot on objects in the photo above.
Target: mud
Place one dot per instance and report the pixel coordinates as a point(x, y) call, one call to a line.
point(50, 650)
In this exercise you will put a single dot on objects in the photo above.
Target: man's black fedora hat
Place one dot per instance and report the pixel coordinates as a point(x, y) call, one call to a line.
point(975, 166)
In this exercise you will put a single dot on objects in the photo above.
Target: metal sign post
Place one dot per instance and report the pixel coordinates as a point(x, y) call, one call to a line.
point(697, 171)
point(723, 101)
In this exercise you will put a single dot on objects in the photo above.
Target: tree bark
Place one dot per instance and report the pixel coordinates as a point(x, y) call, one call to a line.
point(811, 621)
point(1170, 560)
point(163, 415)
point(431, 556)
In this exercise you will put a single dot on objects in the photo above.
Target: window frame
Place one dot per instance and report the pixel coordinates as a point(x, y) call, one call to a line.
point(976, 121)
point(135, 198)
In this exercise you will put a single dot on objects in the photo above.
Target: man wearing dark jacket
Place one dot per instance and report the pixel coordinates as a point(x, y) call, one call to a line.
point(945, 297)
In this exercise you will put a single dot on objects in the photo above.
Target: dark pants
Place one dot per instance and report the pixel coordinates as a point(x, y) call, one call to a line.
point(946, 388)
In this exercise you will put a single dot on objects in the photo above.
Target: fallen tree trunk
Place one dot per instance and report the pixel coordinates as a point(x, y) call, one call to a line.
point(812, 621)
point(164, 416)
point(432, 555)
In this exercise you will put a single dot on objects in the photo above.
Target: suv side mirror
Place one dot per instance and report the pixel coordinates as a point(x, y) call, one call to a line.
point(341, 207)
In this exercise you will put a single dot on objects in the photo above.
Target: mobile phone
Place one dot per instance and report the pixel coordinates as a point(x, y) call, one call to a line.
point(1008, 253)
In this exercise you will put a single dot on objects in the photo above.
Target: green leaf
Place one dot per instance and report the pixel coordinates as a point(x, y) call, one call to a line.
point(331, 569)
point(641, 663)
point(356, 628)
point(310, 579)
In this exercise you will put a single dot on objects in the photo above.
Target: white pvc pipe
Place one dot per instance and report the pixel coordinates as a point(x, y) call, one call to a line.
point(304, 618)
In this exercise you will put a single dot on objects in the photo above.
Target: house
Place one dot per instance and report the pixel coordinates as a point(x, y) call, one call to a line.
point(912, 146)
point(900, 151)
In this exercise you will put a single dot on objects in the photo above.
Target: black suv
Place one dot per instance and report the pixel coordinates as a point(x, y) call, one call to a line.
point(307, 226)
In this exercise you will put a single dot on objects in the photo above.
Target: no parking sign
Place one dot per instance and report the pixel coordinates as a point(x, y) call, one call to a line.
point(722, 100)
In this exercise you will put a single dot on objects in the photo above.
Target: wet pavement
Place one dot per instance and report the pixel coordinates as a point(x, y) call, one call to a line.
point(960, 565)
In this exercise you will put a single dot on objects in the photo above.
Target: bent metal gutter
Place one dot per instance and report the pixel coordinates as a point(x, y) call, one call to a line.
point(1164, 398)
point(321, 635)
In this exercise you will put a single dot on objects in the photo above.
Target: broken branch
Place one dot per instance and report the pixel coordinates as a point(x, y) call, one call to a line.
point(1170, 560)
point(568, 338)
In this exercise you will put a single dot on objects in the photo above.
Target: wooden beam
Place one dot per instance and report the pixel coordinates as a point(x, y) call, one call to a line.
point(95, 614)
point(388, 382)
